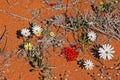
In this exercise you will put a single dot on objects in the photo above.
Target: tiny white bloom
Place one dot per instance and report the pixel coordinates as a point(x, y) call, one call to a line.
point(59, 43)
point(91, 23)
point(88, 64)
point(25, 32)
point(37, 29)
point(92, 36)
point(106, 52)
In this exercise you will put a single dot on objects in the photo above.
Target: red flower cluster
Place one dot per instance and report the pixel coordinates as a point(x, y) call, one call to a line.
point(78, 46)
point(70, 53)
point(39, 37)
point(51, 4)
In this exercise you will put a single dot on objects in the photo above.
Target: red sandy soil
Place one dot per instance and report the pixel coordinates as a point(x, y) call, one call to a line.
point(19, 67)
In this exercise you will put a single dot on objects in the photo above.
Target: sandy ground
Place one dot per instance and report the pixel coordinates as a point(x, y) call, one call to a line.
point(19, 67)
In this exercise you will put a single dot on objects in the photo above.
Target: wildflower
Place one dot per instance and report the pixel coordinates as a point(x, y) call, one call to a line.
point(92, 36)
point(25, 32)
point(39, 37)
point(37, 30)
point(106, 51)
point(88, 64)
point(37, 33)
point(70, 53)
point(80, 63)
point(28, 46)
point(78, 45)
point(116, 1)
point(52, 34)
point(51, 4)
point(59, 43)
point(101, 3)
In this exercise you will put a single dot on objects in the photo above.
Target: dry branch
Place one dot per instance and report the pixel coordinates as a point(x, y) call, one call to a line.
point(14, 15)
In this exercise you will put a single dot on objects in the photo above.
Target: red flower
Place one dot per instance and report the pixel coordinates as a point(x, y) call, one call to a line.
point(78, 46)
point(70, 53)
point(39, 37)
point(51, 4)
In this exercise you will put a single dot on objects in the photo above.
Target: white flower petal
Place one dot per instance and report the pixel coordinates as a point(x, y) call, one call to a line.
point(25, 32)
point(88, 65)
point(106, 52)
point(36, 29)
point(92, 36)
point(101, 50)
point(110, 56)
point(103, 56)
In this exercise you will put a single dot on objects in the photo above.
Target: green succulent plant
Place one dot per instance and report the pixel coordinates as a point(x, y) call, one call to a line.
point(84, 41)
point(107, 7)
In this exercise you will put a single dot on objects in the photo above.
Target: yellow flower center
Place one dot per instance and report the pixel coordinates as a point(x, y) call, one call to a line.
point(101, 3)
point(116, 1)
point(38, 33)
point(28, 46)
point(52, 34)
point(106, 52)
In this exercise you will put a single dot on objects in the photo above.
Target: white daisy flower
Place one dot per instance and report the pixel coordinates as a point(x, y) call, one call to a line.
point(37, 29)
point(92, 36)
point(25, 32)
point(88, 64)
point(106, 52)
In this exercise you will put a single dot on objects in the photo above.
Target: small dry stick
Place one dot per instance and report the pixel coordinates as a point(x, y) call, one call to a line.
point(8, 1)
point(15, 15)
point(1, 37)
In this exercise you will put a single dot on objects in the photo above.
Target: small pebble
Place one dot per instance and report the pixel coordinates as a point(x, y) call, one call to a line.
point(69, 71)
point(76, 69)
point(3, 71)
point(55, 77)
point(67, 75)
point(117, 74)
point(101, 77)
point(98, 74)
point(111, 67)
point(116, 68)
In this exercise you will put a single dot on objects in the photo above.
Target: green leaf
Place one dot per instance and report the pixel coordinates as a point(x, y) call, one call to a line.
point(89, 42)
